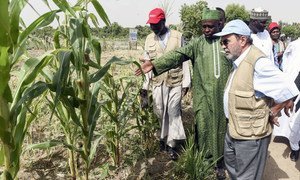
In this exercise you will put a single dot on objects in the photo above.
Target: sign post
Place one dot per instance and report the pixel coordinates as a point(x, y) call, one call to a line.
point(133, 38)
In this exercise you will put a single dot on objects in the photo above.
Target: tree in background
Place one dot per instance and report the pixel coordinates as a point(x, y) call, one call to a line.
point(143, 31)
point(236, 11)
point(191, 18)
point(292, 31)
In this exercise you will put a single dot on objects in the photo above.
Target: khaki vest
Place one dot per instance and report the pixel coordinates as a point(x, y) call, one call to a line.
point(173, 77)
point(248, 115)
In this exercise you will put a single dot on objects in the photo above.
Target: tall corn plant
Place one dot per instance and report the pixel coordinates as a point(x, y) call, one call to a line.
point(14, 106)
point(119, 100)
point(74, 93)
point(74, 78)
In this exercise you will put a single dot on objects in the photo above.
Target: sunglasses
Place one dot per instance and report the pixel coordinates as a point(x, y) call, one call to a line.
point(224, 42)
point(208, 26)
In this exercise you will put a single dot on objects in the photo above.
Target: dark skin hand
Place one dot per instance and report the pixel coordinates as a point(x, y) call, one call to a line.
point(276, 108)
point(145, 67)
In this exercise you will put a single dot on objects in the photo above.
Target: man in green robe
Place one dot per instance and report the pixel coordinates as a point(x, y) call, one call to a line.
point(210, 73)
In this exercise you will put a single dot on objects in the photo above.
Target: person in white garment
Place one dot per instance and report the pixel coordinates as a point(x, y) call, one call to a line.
point(290, 126)
point(259, 34)
point(169, 87)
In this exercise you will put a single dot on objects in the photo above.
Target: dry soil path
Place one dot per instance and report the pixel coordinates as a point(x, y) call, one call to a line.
point(279, 166)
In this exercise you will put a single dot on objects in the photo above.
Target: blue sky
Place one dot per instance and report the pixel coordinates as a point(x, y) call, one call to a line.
point(129, 13)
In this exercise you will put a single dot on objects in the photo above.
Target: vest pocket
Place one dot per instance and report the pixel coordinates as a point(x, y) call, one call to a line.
point(251, 123)
point(243, 99)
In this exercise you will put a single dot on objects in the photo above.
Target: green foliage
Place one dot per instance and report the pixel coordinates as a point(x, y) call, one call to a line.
point(192, 163)
point(143, 31)
point(191, 16)
point(113, 31)
point(236, 11)
point(18, 109)
point(292, 30)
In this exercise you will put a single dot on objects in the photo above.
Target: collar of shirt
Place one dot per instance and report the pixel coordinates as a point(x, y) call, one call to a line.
point(238, 61)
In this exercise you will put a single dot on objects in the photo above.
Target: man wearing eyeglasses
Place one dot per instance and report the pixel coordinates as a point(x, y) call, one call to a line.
point(261, 37)
point(210, 72)
point(250, 90)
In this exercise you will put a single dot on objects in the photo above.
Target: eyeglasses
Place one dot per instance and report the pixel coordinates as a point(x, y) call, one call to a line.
point(208, 26)
point(224, 42)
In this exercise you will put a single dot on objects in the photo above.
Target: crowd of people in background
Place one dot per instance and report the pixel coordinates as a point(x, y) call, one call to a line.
point(245, 83)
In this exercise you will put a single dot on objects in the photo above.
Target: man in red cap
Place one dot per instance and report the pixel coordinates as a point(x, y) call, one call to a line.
point(210, 73)
point(167, 88)
point(278, 45)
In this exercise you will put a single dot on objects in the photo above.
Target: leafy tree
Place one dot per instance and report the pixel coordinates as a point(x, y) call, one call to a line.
point(292, 31)
point(236, 11)
point(191, 17)
point(143, 31)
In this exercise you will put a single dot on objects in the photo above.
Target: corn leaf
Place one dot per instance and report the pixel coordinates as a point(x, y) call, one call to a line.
point(5, 136)
point(42, 21)
point(94, 149)
point(15, 8)
point(64, 6)
point(60, 78)
point(4, 24)
point(32, 67)
point(4, 69)
point(97, 50)
point(101, 12)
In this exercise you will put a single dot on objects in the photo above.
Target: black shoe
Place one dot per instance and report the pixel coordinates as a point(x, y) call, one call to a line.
point(162, 145)
point(172, 153)
point(294, 155)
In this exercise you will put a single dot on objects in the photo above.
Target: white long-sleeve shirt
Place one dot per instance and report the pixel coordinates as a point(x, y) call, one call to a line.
point(263, 41)
point(268, 81)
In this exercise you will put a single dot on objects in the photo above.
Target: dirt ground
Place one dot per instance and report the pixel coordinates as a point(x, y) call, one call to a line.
point(279, 166)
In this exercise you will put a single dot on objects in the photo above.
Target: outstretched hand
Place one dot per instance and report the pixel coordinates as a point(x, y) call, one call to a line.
point(145, 67)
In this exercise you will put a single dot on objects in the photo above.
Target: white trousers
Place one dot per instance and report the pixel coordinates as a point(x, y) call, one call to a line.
point(167, 106)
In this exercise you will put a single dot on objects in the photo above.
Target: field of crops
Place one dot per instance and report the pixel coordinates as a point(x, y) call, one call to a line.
point(69, 104)
point(52, 163)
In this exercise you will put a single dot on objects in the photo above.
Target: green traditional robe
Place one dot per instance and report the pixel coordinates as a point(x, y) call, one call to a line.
point(210, 73)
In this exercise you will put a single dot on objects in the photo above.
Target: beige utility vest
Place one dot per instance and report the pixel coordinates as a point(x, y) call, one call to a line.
point(173, 77)
point(248, 115)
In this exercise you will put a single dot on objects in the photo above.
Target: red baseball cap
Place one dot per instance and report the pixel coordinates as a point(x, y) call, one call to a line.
point(273, 25)
point(155, 16)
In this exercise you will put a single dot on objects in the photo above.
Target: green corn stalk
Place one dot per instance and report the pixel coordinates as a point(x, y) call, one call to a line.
point(14, 106)
point(75, 88)
point(119, 97)
point(193, 163)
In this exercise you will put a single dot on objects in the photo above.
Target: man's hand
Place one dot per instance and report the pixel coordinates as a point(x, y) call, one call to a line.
point(274, 120)
point(276, 108)
point(144, 98)
point(184, 91)
point(289, 107)
point(145, 67)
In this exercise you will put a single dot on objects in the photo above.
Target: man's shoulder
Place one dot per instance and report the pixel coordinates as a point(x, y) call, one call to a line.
point(151, 35)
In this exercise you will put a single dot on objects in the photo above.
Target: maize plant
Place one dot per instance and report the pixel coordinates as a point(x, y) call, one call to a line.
point(73, 79)
point(16, 113)
point(119, 100)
